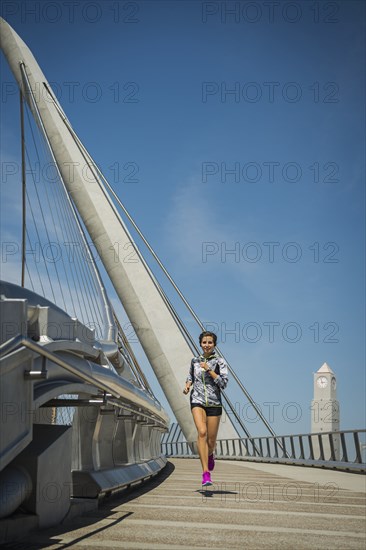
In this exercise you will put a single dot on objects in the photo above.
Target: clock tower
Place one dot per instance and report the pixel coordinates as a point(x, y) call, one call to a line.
point(325, 410)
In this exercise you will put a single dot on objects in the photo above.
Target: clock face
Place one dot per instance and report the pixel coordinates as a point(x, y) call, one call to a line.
point(334, 383)
point(322, 382)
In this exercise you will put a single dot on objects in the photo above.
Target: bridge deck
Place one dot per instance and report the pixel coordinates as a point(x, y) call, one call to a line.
point(250, 506)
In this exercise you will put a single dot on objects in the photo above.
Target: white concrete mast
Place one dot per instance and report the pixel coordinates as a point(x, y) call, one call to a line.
point(162, 341)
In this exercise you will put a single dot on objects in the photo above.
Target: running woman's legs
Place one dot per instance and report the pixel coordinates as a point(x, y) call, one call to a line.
point(200, 420)
point(213, 423)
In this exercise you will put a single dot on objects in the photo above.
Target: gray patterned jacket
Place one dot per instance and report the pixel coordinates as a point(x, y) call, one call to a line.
point(206, 390)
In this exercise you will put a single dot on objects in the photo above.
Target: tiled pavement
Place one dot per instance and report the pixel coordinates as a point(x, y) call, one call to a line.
point(250, 506)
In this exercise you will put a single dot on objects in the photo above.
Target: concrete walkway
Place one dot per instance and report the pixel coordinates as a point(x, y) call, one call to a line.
point(250, 506)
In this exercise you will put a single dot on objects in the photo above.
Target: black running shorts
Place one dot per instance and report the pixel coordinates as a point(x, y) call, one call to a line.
point(210, 411)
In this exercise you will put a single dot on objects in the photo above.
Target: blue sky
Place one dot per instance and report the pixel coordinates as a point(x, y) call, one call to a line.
point(240, 145)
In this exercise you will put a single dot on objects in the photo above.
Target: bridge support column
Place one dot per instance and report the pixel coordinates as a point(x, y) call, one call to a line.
point(50, 474)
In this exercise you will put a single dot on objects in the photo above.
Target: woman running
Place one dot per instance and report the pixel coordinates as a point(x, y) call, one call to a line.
point(209, 375)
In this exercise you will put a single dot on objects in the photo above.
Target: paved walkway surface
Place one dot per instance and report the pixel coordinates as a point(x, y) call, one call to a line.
point(250, 506)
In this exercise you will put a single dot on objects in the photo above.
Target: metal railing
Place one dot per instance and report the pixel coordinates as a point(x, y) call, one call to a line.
point(119, 396)
point(338, 450)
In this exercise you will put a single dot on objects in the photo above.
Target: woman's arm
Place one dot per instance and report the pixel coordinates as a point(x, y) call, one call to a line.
point(189, 380)
point(221, 379)
point(186, 389)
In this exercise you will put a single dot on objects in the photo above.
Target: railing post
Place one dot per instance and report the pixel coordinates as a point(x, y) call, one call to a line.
point(302, 454)
point(284, 453)
point(250, 444)
point(321, 448)
point(221, 453)
point(310, 441)
point(293, 455)
point(260, 446)
point(331, 445)
point(246, 446)
point(344, 448)
point(268, 448)
point(235, 442)
point(358, 459)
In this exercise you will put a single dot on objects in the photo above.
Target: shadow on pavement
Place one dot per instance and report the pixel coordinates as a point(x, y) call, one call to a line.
point(106, 510)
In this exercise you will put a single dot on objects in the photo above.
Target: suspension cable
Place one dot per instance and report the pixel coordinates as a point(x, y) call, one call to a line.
point(162, 293)
point(23, 185)
point(45, 225)
point(101, 290)
point(93, 166)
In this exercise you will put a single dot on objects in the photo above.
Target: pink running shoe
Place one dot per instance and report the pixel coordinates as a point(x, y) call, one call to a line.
point(206, 479)
point(211, 462)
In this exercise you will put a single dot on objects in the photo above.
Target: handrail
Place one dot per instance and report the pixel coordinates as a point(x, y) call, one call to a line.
point(18, 341)
point(322, 449)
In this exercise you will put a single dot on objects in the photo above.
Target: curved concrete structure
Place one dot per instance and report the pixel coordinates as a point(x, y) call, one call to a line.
point(111, 437)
